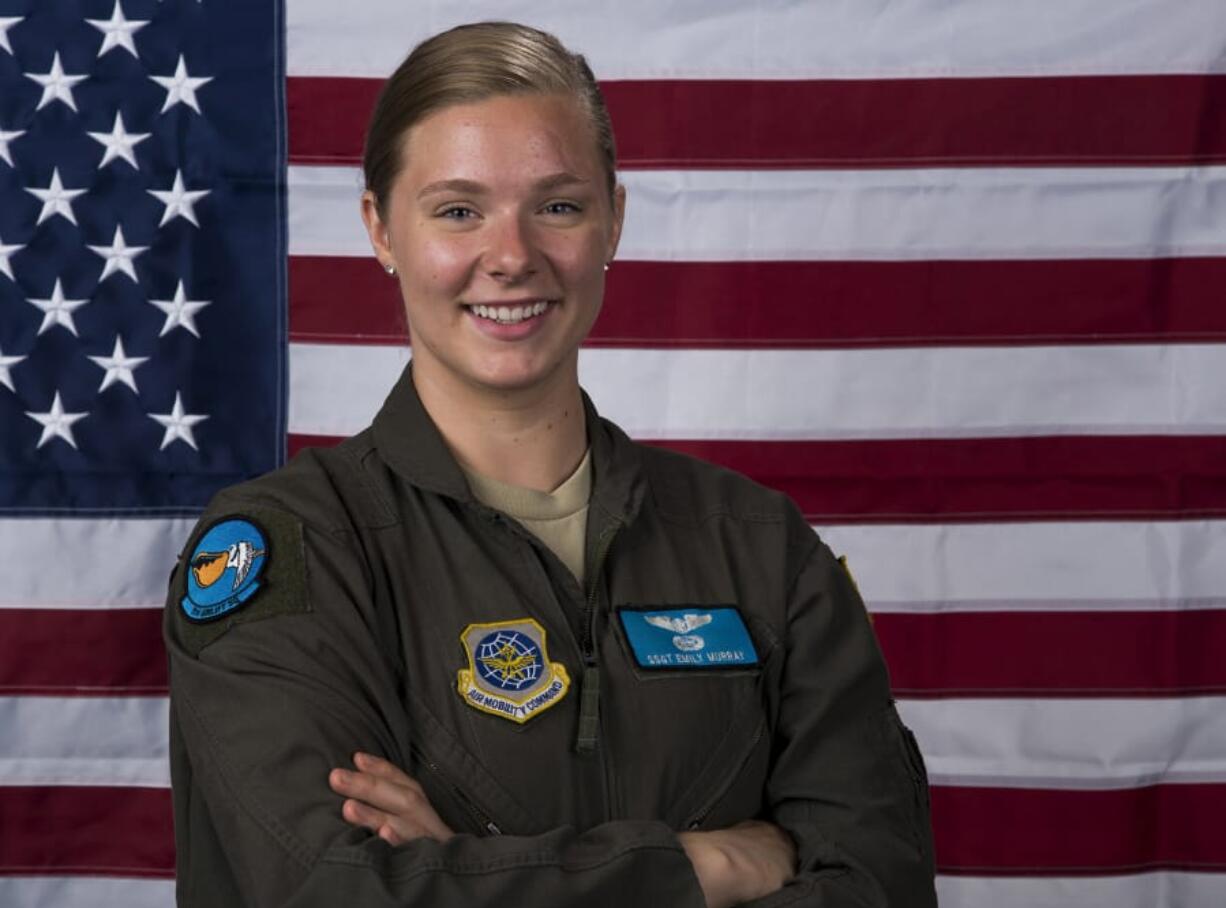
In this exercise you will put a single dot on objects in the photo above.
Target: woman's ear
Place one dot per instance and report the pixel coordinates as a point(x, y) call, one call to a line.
point(376, 229)
point(619, 216)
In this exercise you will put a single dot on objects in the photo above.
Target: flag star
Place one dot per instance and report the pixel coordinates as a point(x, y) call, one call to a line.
point(6, 365)
point(180, 312)
point(56, 199)
point(181, 87)
point(5, 25)
point(5, 138)
point(57, 86)
point(56, 423)
point(119, 256)
point(178, 201)
point(57, 310)
point(119, 143)
point(119, 367)
point(118, 31)
point(178, 424)
point(6, 253)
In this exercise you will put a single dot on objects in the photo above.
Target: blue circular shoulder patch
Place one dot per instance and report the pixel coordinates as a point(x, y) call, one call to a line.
point(224, 570)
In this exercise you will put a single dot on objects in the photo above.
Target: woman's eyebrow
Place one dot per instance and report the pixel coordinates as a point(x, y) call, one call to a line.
point(559, 179)
point(468, 187)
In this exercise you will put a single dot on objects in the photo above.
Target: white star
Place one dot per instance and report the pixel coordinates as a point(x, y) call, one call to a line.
point(181, 87)
point(178, 424)
point(5, 138)
point(118, 31)
point(118, 143)
point(5, 25)
point(7, 363)
point(6, 253)
point(180, 311)
point(178, 201)
point(56, 423)
point(119, 256)
point(56, 85)
point(57, 310)
point(119, 367)
point(56, 199)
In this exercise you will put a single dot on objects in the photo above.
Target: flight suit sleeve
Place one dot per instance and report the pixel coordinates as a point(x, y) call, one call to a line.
point(270, 693)
point(847, 781)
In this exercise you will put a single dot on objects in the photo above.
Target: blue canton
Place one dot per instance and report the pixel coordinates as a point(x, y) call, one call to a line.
point(142, 237)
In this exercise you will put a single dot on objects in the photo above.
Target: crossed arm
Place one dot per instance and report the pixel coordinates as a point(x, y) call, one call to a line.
point(734, 865)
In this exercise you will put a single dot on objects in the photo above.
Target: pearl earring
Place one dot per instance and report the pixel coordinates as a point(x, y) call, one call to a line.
point(390, 269)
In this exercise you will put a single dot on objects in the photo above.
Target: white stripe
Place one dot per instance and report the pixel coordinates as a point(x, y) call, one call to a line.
point(1141, 890)
point(1044, 743)
point(1037, 566)
point(893, 214)
point(84, 741)
point(1033, 566)
point(130, 561)
point(1144, 890)
point(636, 39)
point(122, 741)
point(85, 892)
point(900, 392)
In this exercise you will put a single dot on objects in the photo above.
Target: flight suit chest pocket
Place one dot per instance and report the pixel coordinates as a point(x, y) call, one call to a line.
point(694, 745)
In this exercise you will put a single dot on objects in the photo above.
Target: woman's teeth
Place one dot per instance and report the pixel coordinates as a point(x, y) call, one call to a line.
point(509, 315)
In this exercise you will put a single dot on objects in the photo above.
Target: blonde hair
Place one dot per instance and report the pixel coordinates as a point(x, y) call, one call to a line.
point(473, 63)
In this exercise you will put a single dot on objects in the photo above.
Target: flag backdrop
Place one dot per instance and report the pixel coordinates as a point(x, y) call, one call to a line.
point(951, 274)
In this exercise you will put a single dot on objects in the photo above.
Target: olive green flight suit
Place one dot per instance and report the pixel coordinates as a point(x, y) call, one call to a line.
point(378, 558)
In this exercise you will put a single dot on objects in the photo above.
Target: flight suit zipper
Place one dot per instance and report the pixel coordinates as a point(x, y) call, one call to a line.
point(587, 733)
point(698, 817)
point(483, 822)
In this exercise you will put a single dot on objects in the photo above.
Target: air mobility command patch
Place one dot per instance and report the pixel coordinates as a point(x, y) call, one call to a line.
point(239, 567)
point(509, 673)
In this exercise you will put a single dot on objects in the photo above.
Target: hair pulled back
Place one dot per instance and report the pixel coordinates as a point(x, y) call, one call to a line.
point(473, 63)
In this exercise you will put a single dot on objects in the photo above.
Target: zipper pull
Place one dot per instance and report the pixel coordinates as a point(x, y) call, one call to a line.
point(588, 733)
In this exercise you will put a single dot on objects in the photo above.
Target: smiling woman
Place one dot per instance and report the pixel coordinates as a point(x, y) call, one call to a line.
point(491, 651)
point(499, 226)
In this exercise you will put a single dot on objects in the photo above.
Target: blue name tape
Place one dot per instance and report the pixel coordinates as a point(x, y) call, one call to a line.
point(692, 637)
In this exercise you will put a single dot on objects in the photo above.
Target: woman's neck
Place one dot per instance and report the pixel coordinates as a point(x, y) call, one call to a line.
point(534, 437)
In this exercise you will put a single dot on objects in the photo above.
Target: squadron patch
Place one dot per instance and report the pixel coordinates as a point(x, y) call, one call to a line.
point(224, 570)
point(708, 637)
point(509, 673)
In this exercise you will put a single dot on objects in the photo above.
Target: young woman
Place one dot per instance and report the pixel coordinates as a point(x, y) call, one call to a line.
point(489, 650)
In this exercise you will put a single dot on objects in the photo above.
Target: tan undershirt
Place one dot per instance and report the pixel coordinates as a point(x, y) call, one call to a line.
point(557, 518)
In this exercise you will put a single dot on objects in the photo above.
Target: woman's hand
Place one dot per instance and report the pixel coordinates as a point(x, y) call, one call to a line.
point(740, 863)
point(382, 798)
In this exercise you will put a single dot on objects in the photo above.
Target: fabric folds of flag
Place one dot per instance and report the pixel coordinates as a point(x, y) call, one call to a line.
point(949, 274)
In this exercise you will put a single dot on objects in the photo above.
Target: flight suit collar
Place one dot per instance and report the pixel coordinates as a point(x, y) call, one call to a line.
point(410, 443)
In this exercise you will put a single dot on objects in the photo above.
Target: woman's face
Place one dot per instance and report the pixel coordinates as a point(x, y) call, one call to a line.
point(499, 227)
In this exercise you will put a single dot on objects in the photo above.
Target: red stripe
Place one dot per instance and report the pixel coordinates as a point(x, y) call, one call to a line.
point(1083, 120)
point(86, 831)
point(1079, 654)
point(822, 304)
point(1006, 831)
point(128, 831)
point(96, 652)
point(979, 479)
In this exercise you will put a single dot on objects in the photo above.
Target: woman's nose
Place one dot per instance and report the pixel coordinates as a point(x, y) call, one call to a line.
point(510, 255)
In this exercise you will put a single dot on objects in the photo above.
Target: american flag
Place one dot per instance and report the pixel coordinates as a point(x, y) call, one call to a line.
point(951, 274)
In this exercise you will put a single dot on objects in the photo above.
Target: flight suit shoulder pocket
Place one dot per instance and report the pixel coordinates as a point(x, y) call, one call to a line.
point(240, 565)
